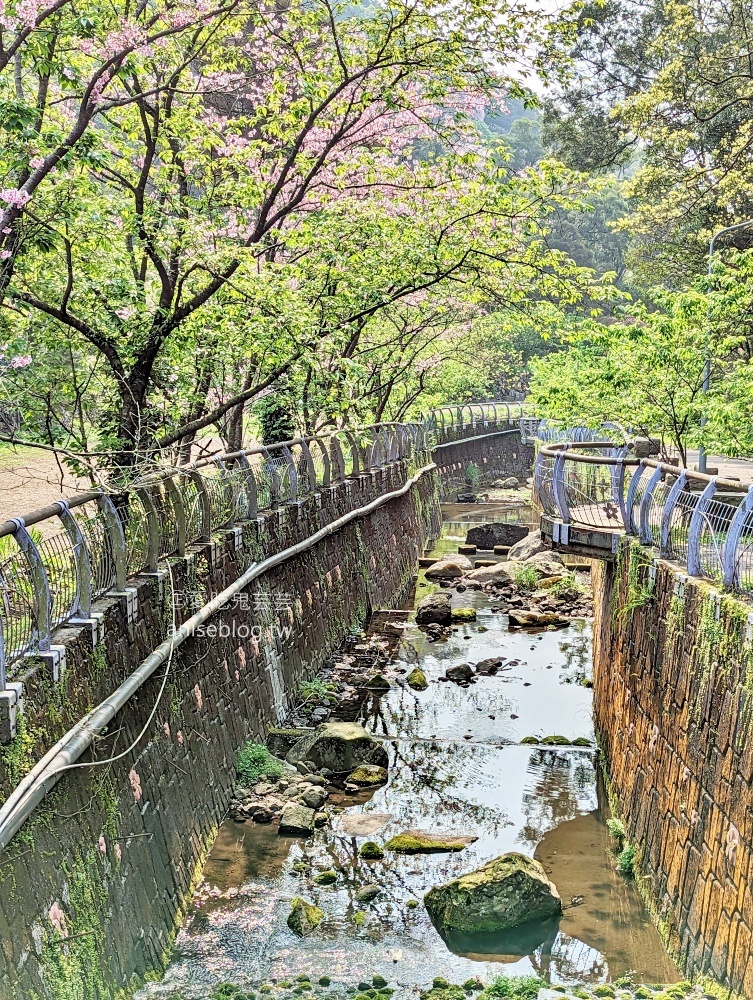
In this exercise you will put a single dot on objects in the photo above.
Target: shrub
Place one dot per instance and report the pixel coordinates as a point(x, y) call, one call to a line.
point(617, 829)
point(254, 762)
point(626, 862)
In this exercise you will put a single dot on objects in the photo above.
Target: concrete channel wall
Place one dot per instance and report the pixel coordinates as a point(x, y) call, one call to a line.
point(673, 697)
point(94, 887)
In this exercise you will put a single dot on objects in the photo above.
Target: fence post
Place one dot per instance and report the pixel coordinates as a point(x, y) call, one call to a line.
point(734, 535)
point(694, 531)
point(310, 467)
point(645, 528)
point(250, 480)
point(206, 509)
point(631, 527)
point(3, 674)
point(83, 601)
point(558, 486)
point(116, 534)
point(39, 583)
point(180, 513)
point(152, 528)
point(293, 473)
point(669, 505)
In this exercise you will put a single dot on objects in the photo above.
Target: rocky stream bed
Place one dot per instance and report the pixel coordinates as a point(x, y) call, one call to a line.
point(469, 736)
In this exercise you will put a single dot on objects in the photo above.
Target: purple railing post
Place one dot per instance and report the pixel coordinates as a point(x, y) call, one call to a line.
point(645, 528)
point(694, 531)
point(734, 534)
point(669, 506)
point(558, 486)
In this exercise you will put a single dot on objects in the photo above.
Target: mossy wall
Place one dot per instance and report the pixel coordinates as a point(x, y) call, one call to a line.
point(94, 887)
point(673, 690)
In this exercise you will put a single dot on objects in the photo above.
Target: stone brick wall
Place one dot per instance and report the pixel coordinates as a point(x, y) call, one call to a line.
point(673, 689)
point(109, 860)
point(497, 454)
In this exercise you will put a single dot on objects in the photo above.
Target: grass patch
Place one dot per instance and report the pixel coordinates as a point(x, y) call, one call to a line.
point(514, 987)
point(255, 762)
point(525, 577)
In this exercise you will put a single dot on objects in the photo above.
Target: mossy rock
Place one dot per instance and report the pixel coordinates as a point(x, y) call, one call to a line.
point(324, 980)
point(303, 978)
point(509, 891)
point(412, 904)
point(440, 983)
point(304, 917)
point(581, 741)
point(420, 842)
point(559, 989)
point(378, 683)
point(448, 992)
point(532, 740)
point(328, 877)
point(416, 679)
point(303, 988)
point(340, 746)
point(555, 741)
point(603, 990)
point(371, 851)
point(463, 615)
point(473, 985)
point(359, 918)
point(378, 981)
point(368, 776)
point(265, 988)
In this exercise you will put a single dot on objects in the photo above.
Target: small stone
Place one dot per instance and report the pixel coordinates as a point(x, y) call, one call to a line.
point(434, 609)
point(304, 917)
point(324, 980)
point(314, 798)
point(368, 892)
point(378, 981)
point(412, 904)
point(463, 615)
point(462, 672)
point(378, 683)
point(320, 820)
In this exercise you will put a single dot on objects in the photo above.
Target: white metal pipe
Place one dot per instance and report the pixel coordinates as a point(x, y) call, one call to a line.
point(46, 773)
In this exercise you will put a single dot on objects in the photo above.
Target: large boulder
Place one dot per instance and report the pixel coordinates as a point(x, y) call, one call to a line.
point(486, 536)
point(339, 746)
point(449, 568)
point(501, 572)
point(505, 893)
point(434, 609)
point(529, 546)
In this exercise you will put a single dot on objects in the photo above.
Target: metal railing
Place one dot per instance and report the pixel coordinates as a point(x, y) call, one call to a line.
point(448, 424)
point(703, 521)
point(56, 562)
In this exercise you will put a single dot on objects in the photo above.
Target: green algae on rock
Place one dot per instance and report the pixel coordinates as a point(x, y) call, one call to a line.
point(463, 615)
point(371, 851)
point(421, 842)
point(416, 679)
point(505, 893)
point(304, 917)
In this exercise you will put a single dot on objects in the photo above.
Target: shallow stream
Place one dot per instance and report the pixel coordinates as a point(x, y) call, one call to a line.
point(456, 765)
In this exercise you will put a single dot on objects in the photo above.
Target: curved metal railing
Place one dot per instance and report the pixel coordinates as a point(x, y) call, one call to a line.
point(449, 424)
point(703, 521)
point(56, 562)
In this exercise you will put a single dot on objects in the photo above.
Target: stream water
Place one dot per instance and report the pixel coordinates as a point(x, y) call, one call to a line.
point(456, 765)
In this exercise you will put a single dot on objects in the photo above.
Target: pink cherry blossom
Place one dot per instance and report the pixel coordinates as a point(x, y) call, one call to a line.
point(15, 197)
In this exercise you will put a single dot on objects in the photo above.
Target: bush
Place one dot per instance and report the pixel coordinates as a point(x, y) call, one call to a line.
point(254, 762)
point(514, 987)
point(616, 828)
